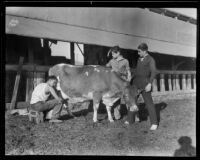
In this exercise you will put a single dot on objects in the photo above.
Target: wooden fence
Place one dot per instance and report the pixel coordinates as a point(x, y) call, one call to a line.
point(166, 82)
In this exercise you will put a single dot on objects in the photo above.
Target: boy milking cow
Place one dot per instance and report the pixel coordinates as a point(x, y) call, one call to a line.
point(39, 99)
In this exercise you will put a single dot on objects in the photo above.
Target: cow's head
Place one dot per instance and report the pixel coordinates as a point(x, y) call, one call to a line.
point(130, 96)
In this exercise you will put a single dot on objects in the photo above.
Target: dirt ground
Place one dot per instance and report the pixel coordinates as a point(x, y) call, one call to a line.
point(79, 136)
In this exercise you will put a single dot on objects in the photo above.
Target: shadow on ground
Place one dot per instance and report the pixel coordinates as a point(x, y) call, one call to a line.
point(186, 149)
point(101, 110)
point(79, 113)
point(143, 112)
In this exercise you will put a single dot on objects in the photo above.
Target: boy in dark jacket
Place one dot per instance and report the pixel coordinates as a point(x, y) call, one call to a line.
point(143, 78)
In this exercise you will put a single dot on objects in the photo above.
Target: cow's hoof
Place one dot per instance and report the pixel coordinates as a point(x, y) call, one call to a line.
point(111, 121)
point(95, 121)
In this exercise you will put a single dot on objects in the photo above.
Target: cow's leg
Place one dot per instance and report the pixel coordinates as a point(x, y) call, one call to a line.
point(96, 101)
point(95, 107)
point(108, 108)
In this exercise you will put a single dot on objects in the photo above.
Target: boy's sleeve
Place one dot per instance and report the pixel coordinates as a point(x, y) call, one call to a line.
point(128, 70)
point(109, 64)
point(153, 69)
point(127, 66)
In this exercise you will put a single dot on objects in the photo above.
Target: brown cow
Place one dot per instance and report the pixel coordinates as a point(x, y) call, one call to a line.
point(94, 82)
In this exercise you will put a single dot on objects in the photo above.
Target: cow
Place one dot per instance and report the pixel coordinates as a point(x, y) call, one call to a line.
point(94, 82)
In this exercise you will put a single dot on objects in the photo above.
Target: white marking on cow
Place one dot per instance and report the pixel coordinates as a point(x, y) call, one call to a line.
point(87, 73)
point(89, 95)
point(107, 95)
point(74, 66)
point(49, 114)
point(109, 101)
point(93, 65)
point(61, 64)
point(58, 78)
point(108, 108)
point(58, 84)
point(95, 107)
point(107, 71)
point(96, 69)
point(134, 108)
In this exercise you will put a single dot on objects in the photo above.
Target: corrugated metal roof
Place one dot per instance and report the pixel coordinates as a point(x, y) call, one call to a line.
point(126, 27)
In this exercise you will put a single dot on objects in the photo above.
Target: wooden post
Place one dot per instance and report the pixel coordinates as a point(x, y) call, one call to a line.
point(162, 83)
point(183, 82)
point(17, 80)
point(30, 75)
point(72, 53)
point(34, 79)
point(155, 87)
point(29, 85)
point(169, 82)
point(174, 82)
point(177, 82)
point(30, 52)
point(194, 81)
point(188, 82)
point(46, 51)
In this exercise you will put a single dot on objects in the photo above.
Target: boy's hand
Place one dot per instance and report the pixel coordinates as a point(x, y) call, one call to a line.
point(148, 87)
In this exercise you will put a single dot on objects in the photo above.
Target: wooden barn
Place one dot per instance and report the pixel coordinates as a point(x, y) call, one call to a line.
point(31, 31)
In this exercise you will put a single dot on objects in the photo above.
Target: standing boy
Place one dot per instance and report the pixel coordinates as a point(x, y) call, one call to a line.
point(120, 65)
point(143, 78)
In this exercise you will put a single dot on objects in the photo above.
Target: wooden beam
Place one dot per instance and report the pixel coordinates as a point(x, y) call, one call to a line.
point(30, 68)
point(14, 96)
point(80, 49)
point(72, 53)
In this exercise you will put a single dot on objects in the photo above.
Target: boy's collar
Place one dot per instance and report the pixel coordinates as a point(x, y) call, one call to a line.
point(119, 58)
point(142, 58)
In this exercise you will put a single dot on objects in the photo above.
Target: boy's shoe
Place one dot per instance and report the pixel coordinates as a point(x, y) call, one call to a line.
point(126, 122)
point(154, 127)
point(137, 119)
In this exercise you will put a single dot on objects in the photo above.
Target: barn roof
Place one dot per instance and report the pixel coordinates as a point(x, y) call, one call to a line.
point(126, 27)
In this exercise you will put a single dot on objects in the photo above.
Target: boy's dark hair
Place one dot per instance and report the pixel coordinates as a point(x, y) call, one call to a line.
point(115, 49)
point(51, 78)
point(143, 47)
